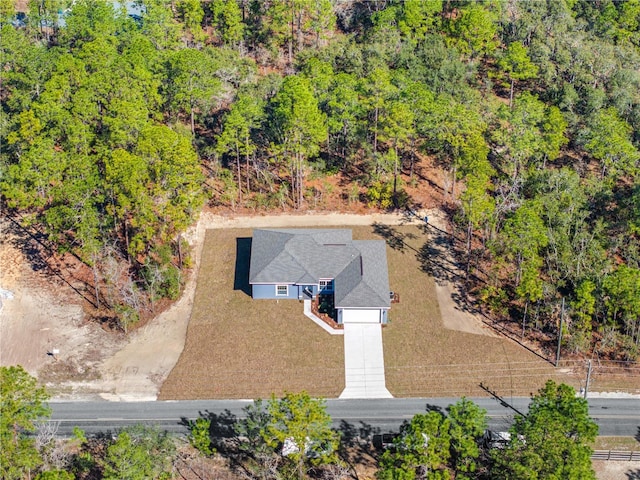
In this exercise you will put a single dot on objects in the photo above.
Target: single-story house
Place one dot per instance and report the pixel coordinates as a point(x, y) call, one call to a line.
point(303, 263)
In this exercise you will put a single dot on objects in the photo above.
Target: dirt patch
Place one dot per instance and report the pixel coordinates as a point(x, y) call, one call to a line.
point(43, 326)
point(616, 470)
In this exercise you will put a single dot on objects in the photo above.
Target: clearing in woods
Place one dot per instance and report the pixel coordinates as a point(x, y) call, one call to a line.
point(240, 348)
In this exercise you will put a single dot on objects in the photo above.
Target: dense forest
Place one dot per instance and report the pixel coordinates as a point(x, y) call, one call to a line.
point(119, 122)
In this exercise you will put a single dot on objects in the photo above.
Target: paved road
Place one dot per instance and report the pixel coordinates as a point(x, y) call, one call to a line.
point(614, 416)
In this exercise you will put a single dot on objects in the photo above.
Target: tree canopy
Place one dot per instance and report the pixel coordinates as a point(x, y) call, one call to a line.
point(22, 404)
point(552, 441)
point(118, 125)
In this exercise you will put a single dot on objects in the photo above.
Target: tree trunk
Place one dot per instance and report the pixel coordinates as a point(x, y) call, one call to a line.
point(413, 159)
point(300, 179)
point(95, 280)
point(248, 185)
point(469, 235)
point(375, 131)
point(454, 171)
point(193, 123)
point(292, 35)
point(126, 236)
point(395, 177)
point(511, 95)
point(239, 175)
point(299, 27)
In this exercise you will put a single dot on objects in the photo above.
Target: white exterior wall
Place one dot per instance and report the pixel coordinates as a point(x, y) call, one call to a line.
point(361, 316)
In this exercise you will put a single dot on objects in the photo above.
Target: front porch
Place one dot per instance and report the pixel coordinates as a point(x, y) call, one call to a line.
point(322, 306)
point(328, 325)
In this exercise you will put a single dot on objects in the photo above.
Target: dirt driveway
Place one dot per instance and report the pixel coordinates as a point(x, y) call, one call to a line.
point(45, 314)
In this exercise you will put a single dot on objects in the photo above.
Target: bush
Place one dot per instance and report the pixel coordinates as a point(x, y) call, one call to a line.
point(380, 194)
point(171, 283)
point(127, 316)
point(199, 435)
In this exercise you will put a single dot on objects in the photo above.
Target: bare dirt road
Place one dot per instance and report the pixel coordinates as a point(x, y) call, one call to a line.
point(45, 315)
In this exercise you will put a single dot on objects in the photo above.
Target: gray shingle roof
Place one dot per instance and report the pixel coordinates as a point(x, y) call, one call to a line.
point(303, 256)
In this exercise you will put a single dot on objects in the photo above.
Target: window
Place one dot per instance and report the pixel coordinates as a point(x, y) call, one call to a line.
point(326, 285)
point(282, 290)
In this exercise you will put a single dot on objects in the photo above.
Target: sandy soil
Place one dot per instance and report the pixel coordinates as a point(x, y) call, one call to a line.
point(616, 470)
point(93, 363)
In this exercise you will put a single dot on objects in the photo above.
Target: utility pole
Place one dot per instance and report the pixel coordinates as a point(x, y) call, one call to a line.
point(586, 385)
point(560, 333)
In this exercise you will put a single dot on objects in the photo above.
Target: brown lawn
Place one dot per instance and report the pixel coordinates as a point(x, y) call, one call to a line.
point(422, 358)
point(240, 348)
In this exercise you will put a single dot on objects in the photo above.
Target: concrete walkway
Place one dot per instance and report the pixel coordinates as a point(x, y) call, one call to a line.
point(364, 362)
point(363, 357)
point(319, 322)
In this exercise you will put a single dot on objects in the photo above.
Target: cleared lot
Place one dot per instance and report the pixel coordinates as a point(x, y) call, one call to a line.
point(240, 348)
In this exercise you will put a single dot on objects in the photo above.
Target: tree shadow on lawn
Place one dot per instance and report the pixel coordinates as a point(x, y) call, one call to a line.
point(243, 258)
point(394, 238)
point(436, 259)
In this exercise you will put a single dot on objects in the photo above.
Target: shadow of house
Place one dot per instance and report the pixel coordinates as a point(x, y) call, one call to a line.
point(243, 257)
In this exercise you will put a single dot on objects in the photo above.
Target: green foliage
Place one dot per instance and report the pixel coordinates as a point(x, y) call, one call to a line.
point(158, 24)
point(303, 421)
point(22, 403)
point(435, 446)
point(582, 309)
point(139, 453)
point(55, 475)
point(199, 436)
point(622, 288)
point(192, 15)
point(609, 141)
point(227, 18)
point(192, 84)
point(467, 425)
point(128, 316)
point(250, 428)
point(299, 126)
point(380, 194)
point(517, 64)
point(474, 30)
point(552, 441)
point(524, 236)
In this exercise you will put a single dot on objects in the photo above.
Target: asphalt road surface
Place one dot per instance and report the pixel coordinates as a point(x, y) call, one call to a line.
point(615, 417)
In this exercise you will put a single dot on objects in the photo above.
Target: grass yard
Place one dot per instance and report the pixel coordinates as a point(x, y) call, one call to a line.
point(240, 348)
point(422, 358)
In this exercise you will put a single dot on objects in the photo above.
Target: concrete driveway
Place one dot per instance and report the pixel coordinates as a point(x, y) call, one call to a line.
point(364, 361)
